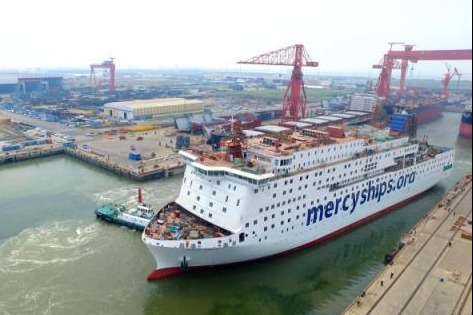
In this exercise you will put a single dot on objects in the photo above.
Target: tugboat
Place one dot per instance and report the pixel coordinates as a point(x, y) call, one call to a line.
point(136, 218)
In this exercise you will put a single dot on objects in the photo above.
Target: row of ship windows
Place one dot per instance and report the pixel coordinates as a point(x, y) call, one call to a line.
point(272, 226)
point(300, 187)
point(289, 210)
point(242, 235)
point(218, 183)
point(211, 204)
point(291, 181)
point(382, 178)
point(273, 216)
point(330, 158)
point(283, 203)
point(224, 209)
point(350, 145)
point(209, 214)
point(369, 167)
point(385, 177)
point(297, 217)
point(316, 174)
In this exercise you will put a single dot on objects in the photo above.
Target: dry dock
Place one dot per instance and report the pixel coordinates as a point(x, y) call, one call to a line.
point(431, 274)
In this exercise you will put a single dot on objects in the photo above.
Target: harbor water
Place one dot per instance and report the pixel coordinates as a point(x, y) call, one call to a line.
point(56, 258)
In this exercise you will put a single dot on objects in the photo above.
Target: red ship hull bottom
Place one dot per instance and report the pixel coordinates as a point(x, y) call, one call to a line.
point(429, 115)
point(164, 273)
point(465, 130)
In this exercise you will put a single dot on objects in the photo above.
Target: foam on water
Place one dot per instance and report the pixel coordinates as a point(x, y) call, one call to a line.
point(55, 243)
point(47, 250)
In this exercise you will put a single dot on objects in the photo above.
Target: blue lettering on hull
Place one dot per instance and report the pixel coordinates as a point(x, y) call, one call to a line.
point(351, 201)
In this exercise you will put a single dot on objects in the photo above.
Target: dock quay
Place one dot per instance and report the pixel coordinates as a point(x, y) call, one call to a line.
point(23, 155)
point(432, 272)
point(143, 172)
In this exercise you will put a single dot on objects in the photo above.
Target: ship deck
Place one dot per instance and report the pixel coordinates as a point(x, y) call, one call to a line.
point(173, 222)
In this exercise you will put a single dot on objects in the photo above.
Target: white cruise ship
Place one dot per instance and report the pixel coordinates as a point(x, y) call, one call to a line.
point(277, 194)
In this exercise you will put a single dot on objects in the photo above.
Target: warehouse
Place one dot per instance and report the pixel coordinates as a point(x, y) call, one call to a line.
point(147, 109)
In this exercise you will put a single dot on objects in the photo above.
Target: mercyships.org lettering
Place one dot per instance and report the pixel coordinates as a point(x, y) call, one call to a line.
point(351, 201)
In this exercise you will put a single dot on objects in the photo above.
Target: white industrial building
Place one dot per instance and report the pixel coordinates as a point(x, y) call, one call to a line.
point(146, 109)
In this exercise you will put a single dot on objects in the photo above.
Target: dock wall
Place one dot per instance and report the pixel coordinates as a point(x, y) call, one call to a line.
point(98, 160)
point(19, 156)
point(118, 169)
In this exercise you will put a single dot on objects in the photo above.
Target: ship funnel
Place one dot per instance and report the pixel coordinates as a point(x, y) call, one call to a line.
point(140, 195)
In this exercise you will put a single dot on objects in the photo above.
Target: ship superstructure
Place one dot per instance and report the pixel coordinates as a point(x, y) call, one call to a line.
point(281, 192)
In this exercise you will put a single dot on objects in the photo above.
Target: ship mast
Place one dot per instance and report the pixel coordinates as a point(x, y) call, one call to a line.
point(234, 144)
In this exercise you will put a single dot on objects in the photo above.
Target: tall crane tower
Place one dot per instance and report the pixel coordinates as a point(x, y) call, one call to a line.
point(294, 101)
point(108, 65)
point(447, 78)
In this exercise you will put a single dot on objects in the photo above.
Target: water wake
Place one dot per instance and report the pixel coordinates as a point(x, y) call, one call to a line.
point(57, 243)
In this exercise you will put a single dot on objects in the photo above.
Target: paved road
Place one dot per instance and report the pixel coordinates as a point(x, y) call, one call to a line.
point(432, 273)
point(46, 125)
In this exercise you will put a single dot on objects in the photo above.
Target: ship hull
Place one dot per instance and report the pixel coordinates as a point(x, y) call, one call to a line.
point(428, 113)
point(172, 260)
point(170, 271)
point(465, 125)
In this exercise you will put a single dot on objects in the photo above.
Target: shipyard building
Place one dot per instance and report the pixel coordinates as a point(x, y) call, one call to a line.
point(32, 85)
point(147, 109)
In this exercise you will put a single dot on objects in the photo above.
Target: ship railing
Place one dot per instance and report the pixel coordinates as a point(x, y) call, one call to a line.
point(174, 222)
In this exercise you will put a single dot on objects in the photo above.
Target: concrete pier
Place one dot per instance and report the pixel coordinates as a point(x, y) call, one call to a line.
point(139, 174)
point(431, 274)
point(23, 155)
point(146, 172)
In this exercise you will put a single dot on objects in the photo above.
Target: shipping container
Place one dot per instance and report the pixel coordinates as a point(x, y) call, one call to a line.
point(134, 156)
point(11, 148)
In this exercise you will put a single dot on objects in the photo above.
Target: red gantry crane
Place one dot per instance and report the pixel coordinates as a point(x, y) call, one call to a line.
point(294, 102)
point(410, 55)
point(391, 61)
point(108, 65)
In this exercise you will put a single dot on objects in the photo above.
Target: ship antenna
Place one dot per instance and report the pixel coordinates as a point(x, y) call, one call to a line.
point(232, 127)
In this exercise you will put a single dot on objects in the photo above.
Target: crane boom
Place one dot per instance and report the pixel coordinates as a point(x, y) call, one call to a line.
point(294, 98)
point(409, 54)
point(287, 56)
point(446, 80)
point(415, 55)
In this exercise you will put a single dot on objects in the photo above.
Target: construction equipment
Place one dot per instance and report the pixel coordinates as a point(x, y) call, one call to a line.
point(108, 65)
point(391, 61)
point(448, 77)
point(294, 102)
point(410, 55)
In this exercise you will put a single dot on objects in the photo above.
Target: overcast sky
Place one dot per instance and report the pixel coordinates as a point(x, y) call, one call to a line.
point(345, 36)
